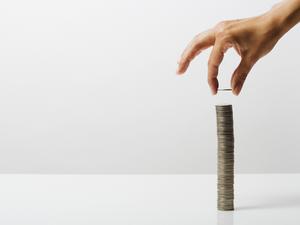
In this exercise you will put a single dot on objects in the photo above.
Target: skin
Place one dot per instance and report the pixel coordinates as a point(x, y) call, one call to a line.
point(252, 38)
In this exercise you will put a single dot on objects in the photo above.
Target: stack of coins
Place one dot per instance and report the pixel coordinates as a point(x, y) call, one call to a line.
point(225, 157)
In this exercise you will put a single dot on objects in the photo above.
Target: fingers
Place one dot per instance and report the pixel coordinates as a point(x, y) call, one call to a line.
point(198, 44)
point(240, 74)
point(215, 59)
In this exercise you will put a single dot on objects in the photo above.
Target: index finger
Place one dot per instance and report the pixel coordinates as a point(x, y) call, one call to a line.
point(214, 62)
point(198, 44)
point(215, 59)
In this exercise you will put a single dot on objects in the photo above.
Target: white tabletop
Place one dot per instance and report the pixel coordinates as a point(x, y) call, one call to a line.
point(146, 199)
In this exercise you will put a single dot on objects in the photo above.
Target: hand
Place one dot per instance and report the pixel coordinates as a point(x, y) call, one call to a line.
point(252, 38)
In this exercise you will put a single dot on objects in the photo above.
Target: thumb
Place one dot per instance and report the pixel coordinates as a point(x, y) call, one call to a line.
point(240, 74)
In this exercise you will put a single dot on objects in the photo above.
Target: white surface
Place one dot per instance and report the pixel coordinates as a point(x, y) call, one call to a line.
point(89, 86)
point(146, 199)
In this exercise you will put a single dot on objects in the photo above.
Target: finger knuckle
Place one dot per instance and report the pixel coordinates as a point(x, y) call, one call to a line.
point(197, 37)
point(242, 76)
point(209, 62)
point(221, 25)
point(222, 31)
point(212, 66)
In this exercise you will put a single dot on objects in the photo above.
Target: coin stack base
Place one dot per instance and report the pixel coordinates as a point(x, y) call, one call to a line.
point(225, 157)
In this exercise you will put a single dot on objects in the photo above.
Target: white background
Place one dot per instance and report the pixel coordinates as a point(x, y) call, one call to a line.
point(90, 87)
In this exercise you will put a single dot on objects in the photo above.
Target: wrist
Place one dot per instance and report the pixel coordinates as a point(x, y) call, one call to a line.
point(283, 16)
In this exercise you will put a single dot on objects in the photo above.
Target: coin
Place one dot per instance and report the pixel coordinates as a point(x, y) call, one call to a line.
point(225, 137)
point(224, 89)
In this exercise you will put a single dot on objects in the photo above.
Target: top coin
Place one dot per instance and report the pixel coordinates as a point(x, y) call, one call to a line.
point(225, 89)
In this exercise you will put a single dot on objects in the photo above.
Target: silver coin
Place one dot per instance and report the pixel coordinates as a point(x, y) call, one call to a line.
point(225, 168)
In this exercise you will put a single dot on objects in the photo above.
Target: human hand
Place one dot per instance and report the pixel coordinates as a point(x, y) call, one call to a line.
point(252, 38)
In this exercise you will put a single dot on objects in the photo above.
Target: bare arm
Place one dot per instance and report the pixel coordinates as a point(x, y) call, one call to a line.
point(252, 38)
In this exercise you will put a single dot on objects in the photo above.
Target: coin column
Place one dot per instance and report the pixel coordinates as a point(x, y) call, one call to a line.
point(225, 157)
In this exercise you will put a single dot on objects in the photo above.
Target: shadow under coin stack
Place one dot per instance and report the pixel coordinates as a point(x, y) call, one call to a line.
point(225, 157)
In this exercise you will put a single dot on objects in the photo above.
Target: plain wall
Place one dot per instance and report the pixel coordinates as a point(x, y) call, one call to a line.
point(90, 87)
